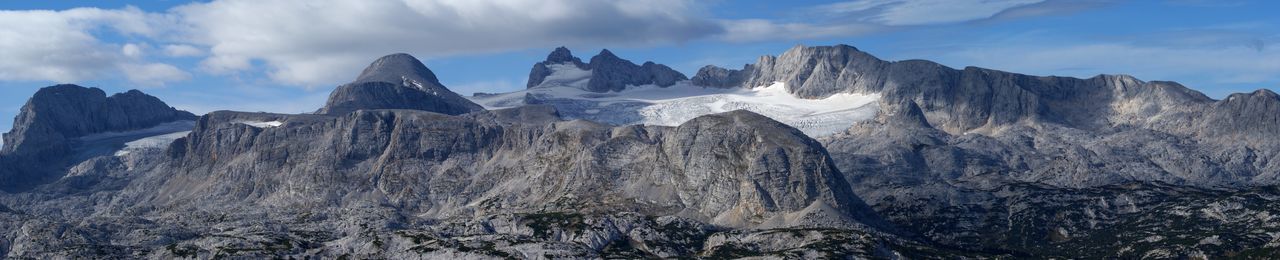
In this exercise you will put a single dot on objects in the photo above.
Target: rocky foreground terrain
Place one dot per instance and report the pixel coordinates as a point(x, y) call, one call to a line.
point(955, 163)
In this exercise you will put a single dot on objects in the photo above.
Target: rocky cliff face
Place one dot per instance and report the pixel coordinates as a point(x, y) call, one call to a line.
point(397, 81)
point(560, 55)
point(608, 72)
point(734, 169)
point(46, 129)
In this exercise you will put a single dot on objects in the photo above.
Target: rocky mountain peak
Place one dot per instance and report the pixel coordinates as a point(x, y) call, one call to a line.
point(562, 55)
point(397, 81)
point(608, 71)
point(606, 55)
point(45, 129)
point(65, 111)
point(396, 68)
point(814, 72)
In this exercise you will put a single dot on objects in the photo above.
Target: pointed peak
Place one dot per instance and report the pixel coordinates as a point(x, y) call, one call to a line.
point(561, 55)
point(606, 53)
point(606, 56)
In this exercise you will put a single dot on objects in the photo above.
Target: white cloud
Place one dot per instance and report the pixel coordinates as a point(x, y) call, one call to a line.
point(327, 42)
point(764, 30)
point(922, 12)
point(182, 50)
point(41, 45)
point(131, 50)
point(153, 74)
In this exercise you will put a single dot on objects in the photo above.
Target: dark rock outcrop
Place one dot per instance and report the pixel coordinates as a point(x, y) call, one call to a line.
point(397, 81)
point(712, 76)
point(608, 71)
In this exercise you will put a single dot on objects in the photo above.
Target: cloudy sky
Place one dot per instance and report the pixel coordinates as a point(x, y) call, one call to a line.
point(285, 56)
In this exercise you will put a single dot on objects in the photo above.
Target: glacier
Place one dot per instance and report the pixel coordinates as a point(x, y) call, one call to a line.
point(671, 106)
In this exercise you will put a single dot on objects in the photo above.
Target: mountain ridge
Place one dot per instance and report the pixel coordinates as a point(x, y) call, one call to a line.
point(608, 72)
point(965, 162)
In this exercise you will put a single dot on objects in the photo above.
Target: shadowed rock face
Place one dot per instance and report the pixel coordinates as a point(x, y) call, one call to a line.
point(44, 130)
point(397, 81)
point(608, 71)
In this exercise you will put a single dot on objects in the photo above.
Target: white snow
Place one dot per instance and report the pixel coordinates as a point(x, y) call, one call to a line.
point(261, 124)
point(567, 74)
point(159, 141)
point(674, 105)
point(163, 128)
point(109, 143)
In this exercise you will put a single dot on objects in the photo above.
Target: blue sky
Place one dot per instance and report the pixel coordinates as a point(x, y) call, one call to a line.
point(285, 56)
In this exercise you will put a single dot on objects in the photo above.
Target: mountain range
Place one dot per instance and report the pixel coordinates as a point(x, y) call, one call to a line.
point(820, 152)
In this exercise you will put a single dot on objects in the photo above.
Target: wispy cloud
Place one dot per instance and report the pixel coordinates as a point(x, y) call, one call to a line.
point(747, 30)
point(920, 12)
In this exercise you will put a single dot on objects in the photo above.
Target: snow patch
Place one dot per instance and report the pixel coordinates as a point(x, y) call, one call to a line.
point(671, 106)
point(162, 128)
point(110, 143)
point(153, 142)
point(261, 124)
point(567, 74)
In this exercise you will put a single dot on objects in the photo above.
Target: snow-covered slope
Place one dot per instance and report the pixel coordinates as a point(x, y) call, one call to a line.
point(152, 142)
point(670, 106)
point(123, 142)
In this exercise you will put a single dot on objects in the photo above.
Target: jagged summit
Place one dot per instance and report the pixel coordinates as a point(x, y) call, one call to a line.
point(397, 81)
point(606, 72)
point(563, 55)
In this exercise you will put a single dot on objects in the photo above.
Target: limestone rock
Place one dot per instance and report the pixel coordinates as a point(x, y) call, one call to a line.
point(397, 81)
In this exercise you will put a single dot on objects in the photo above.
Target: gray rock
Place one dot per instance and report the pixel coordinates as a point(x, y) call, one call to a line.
point(44, 132)
point(735, 169)
point(712, 76)
point(608, 71)
point(560, 55)
point(397, 81)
